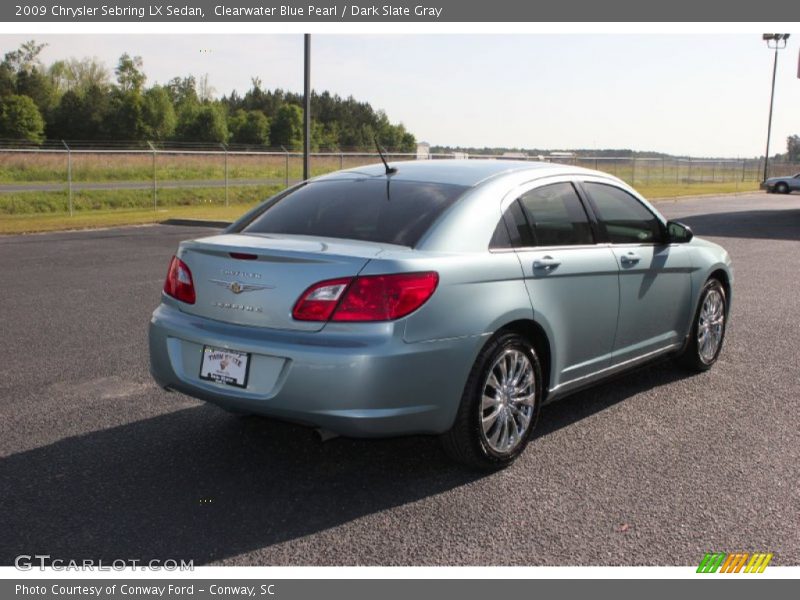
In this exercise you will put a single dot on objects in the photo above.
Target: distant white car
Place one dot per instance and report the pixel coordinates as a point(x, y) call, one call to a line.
point(782, 185)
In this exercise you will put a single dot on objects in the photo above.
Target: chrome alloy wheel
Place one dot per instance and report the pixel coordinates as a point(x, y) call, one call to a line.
point(710, 326)
point(508, 402)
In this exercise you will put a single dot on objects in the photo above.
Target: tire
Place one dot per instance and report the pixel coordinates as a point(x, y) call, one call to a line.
point(698, 356)
point(476, 439)
point(782, 188)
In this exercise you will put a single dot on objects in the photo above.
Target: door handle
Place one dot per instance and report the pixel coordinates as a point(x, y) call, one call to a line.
point(546, 263)
point(631, 258)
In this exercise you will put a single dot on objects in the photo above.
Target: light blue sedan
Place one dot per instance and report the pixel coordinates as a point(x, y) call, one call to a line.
point(782, 185)
point(439, 297)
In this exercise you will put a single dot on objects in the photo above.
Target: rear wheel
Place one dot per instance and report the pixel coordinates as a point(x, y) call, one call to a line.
point(708, 328)
point(500, 405)
point(782, 188)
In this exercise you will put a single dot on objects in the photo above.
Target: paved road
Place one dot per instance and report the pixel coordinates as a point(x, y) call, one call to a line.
point(138, 185)
point(656, 468)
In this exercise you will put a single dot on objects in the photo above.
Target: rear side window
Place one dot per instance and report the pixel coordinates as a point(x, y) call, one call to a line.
point(556, 216)
point(624, 218)
point(516, 228)
point(375, 210)
point(500, 238)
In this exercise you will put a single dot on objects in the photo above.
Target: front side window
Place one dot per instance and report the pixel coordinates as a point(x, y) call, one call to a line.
point(624, 219)
point(369, 209)
point(556, 216)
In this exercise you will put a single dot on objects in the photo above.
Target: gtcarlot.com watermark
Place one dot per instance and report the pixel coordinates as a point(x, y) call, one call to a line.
point(28, 562)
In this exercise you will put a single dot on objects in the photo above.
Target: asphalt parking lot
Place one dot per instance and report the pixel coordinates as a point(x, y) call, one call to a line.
point(656, 468)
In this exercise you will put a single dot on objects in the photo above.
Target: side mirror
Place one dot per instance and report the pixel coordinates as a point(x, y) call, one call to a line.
point(678, 233)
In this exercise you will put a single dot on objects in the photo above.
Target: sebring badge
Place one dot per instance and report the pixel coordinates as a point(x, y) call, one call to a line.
point(237, 287)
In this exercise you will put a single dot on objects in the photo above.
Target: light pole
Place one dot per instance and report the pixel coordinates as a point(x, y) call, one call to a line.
point(776, 41)
point(306, 105)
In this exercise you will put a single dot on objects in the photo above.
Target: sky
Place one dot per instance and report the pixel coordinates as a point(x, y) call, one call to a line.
point(692, 94)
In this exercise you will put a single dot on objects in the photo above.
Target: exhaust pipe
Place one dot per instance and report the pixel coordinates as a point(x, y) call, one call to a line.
point(325, 434)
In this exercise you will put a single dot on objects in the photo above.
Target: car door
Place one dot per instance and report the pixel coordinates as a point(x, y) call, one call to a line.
point(654, 282)
point(571, 280)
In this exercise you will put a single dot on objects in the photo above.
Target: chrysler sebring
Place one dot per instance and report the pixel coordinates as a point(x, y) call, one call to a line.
point(441, 297)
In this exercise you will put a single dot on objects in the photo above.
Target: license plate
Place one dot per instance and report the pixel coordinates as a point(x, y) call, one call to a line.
point(225, 366)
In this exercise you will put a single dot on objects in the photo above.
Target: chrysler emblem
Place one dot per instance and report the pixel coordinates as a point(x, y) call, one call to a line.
point(237, 287)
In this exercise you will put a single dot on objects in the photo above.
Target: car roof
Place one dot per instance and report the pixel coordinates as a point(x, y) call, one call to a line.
point(465, 172)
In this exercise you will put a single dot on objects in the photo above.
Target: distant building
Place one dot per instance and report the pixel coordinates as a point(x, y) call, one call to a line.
point(561, 155)
point(462, 155)
point(423, 151)
point(515, 155)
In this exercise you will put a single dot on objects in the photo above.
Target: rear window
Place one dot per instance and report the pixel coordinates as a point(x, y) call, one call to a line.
point(375, 210)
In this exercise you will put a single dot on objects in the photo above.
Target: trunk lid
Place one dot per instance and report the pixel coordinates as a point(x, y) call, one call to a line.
point(262, 291)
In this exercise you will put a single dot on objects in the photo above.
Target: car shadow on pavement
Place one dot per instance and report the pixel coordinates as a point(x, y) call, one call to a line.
point(599, 397)
point(199, 484)
point(204, 485)
point(758, 224)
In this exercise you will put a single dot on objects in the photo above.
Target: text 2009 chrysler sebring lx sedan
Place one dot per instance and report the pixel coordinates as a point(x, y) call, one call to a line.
point(442, 297)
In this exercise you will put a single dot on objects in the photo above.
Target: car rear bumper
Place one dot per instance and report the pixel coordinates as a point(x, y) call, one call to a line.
point(356, 381)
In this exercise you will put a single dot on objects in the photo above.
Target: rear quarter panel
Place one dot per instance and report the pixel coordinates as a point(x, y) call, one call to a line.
point(477, 293)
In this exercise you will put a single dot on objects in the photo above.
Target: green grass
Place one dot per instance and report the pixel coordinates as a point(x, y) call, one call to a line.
point(117, 217)
point(133, 207)
point(105, 168)
point(48, 211)
point(102, 168)
point(655, 191)
point(93, 174)
point(30, 203)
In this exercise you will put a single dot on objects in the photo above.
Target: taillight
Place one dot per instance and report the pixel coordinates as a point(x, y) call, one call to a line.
point(179, 282)
point(319, 301)
point(366, 298)
point(385, 297)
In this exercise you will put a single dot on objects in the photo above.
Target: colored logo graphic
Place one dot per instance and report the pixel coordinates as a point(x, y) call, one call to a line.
point(734, 563)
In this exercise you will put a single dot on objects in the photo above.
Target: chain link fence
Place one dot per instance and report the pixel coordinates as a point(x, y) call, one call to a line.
point(69, 176)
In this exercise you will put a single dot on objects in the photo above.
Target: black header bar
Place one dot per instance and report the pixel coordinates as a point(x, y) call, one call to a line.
point(431, 11)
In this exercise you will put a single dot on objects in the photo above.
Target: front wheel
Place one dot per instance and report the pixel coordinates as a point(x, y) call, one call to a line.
point(708, 329)
point(782, 188)
point(500, 405)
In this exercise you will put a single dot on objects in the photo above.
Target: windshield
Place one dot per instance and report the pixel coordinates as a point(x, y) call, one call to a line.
point(369, 209)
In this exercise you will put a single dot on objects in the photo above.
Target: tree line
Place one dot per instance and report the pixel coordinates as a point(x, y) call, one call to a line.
point(793, 149)
point(792, 154)
point(79, 99)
